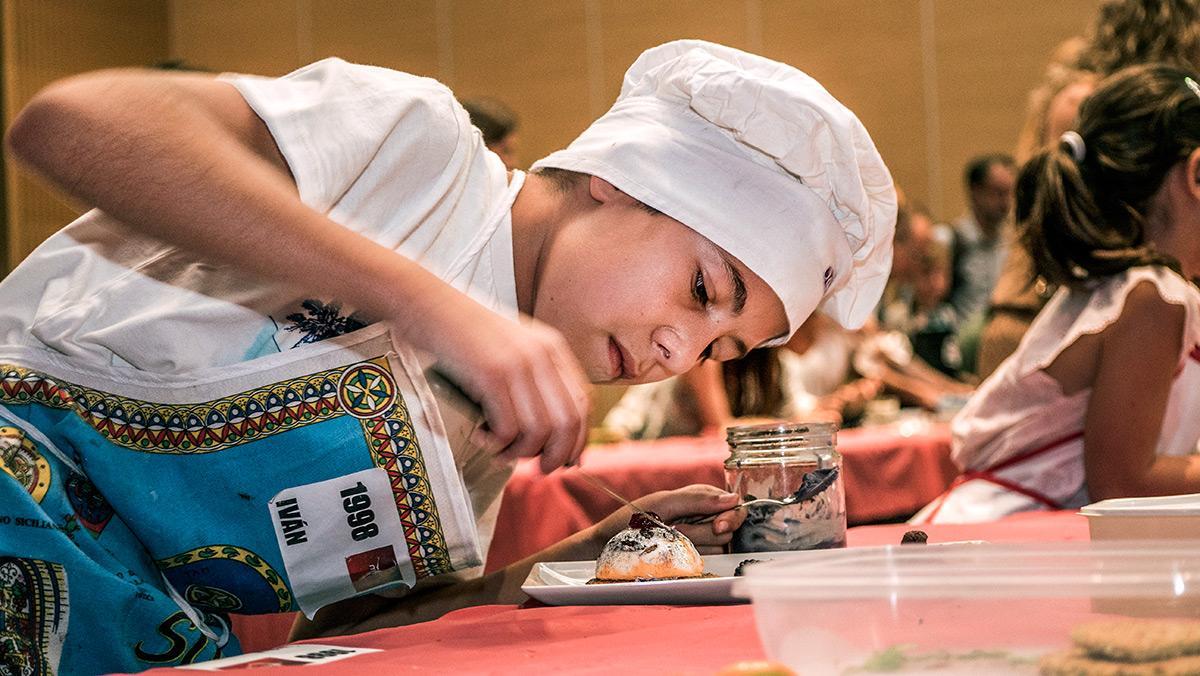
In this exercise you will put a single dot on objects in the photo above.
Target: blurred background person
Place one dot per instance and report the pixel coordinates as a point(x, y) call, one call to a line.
point(1125, 32)
point(981, 238)
point(913, 347)
point(1099, 399)
point(922, 311)
point(498, 124)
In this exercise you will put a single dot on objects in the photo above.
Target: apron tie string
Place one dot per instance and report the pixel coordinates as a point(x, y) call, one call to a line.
point(990, 476)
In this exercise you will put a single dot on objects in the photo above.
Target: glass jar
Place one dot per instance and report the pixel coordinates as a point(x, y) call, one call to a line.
point(796, 463)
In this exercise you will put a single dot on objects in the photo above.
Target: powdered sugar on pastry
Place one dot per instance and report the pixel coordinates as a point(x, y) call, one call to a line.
point(647, 551)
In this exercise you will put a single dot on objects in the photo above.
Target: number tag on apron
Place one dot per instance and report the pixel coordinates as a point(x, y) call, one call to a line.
point(341, 538)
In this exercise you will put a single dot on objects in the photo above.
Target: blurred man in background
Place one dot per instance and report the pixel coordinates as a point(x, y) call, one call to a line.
point(979, 235)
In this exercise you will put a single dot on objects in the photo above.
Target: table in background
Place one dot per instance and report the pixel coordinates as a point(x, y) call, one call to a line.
point(889, 473)
point(624, 639)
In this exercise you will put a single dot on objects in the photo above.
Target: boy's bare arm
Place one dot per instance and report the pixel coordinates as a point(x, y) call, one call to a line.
point(183, 158)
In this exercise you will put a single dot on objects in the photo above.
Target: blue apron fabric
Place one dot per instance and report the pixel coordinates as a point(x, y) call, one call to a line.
point(113, 503)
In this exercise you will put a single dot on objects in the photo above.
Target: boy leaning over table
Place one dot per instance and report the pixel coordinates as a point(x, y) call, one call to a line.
point(238, 330)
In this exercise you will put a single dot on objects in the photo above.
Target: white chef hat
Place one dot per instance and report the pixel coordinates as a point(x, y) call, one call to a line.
point(757, 157)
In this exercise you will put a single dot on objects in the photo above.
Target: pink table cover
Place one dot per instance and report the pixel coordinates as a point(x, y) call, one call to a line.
point(613, 639)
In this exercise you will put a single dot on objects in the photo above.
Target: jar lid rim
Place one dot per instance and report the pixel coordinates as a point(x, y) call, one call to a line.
point(780, 429)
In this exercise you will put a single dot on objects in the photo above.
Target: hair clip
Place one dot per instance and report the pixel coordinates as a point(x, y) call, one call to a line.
point(1192, 86)
point(1075, 142)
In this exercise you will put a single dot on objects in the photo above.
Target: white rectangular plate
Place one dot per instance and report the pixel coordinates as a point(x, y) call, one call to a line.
point(564, 583)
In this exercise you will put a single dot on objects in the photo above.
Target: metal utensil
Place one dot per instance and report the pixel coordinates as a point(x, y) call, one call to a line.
point(815, 482)
point(595, 481)
point(741, 505)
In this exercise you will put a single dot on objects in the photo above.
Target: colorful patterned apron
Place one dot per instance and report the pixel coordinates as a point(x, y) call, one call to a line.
point(137, 511)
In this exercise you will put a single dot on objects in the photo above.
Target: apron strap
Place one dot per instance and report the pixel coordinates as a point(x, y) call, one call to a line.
point(36, 434)
point(196, 618)
point(990, 476)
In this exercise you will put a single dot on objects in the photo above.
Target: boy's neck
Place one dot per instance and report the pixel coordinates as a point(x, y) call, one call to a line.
point(537, 213)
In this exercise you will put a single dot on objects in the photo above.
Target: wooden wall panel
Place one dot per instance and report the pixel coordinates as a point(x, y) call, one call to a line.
point(44, 40)
point(989, 56)
point(399, 35)
point(265, 37)
point(867, 53)
point(626, 29)
point(532, 55)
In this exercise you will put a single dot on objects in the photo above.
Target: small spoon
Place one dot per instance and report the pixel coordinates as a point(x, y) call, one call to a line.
point(757, 501)
point(815, 482)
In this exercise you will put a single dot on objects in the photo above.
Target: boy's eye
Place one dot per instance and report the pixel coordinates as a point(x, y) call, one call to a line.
point(699, 290)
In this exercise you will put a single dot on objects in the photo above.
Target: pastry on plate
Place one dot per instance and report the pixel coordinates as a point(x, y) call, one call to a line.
point(648, 550)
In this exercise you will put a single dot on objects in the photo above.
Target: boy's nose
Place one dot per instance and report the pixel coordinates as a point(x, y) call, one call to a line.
point(675, 349)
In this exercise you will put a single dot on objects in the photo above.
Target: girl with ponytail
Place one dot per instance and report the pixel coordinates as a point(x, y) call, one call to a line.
point(1102, 398)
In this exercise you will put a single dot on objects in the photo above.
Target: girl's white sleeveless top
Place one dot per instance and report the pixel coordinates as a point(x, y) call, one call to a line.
point(1020, 408)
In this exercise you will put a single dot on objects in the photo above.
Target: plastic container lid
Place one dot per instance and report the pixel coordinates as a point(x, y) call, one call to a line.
point(1129, 569)
point(1170, 505)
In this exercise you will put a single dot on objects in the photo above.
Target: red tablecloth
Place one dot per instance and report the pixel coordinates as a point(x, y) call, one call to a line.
point(506, 639)
point(888, 475)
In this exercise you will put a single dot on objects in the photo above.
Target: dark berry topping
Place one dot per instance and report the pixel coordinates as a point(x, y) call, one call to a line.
point(645, 520)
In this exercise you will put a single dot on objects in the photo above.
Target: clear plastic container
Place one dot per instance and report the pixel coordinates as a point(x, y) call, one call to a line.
point(796, 463)
point(1171, 517)
point(961, 608)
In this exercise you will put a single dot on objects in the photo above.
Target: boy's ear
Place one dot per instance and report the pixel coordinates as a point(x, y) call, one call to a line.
point(604, 192)
point(1192, 171)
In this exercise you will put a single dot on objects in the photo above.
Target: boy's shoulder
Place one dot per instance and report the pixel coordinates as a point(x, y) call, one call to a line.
point(338, 123)
point(364, 95)
point(337, 72)
point(339, 79)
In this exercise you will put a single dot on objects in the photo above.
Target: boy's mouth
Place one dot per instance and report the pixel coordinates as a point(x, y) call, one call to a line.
point(620, 360)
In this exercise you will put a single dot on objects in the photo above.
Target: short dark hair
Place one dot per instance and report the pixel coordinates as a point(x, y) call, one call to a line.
point(565, 180)
point(180, 65)
point(977, 169)
point(493, 118)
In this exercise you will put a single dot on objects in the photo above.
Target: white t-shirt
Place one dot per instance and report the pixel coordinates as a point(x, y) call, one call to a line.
point(1020, 408)
point(389, 155)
